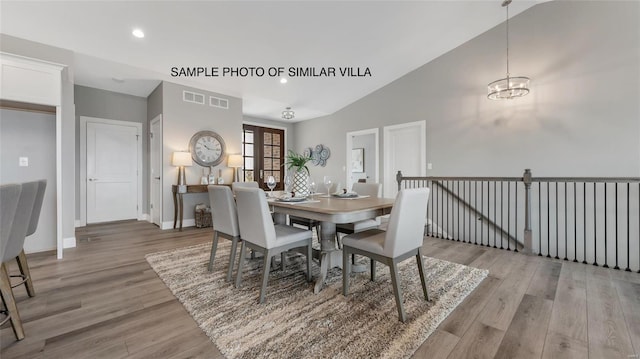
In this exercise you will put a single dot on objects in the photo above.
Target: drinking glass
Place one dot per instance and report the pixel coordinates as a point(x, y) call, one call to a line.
point(271, 183)
point(288, 183)
point(313, 187)
point(327, 183)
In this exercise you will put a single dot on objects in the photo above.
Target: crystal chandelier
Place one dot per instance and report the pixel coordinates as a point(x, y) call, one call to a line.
point(508, 87)
point(288, 114)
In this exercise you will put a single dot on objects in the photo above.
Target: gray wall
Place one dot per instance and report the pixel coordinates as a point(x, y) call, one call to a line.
point(31, 135)
point(109, 105)
point(180, 121)
point(582, 112)
point(53, 54)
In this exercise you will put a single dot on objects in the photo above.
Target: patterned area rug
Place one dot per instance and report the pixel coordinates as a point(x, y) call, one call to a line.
point(295, 323)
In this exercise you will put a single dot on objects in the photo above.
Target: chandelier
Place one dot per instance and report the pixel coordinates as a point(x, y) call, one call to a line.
point(508, 87)
point(288, 114)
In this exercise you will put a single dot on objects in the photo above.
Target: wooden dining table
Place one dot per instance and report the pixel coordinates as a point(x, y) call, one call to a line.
point(330, 211)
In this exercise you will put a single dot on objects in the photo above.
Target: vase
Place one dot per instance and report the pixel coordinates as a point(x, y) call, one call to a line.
point(301, 183)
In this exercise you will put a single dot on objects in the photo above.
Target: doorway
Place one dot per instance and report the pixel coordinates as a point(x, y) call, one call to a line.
point(111, 168)
point(363, 156)
point(405, 149)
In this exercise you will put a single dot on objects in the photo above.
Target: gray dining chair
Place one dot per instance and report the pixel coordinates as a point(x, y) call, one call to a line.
point(402, 239)
point(363, 189)
point(21, 259)
point(224, 216)
point(260, 234)
point(12, 246)
point(236, 185)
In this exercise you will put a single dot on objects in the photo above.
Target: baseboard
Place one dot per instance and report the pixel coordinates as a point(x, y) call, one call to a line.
point(69, 242)
point(144, 217)
point(78, 223)
point(185, 223)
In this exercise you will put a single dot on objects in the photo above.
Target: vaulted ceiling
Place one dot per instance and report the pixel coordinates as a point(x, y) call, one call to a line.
point(386, 38)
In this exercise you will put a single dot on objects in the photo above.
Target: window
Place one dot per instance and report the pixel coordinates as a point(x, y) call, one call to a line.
point(263, 152)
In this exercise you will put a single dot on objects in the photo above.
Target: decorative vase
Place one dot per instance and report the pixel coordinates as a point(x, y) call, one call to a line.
point(301, 183)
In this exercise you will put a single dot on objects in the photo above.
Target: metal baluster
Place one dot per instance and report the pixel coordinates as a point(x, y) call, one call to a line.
point(638, 227)
point(464, 213)
point(575, 223)
point(628, 221)
point(495, 213)
point(557, 238)
point(475, 220)
point(432, 195)
point(446, 193)
point(482, 212)
point(566, 246)
point(540, 184)
point(509, 216)
point(501, 213)
point(458, 197)
point(616, 202)
point(548, 221)
point(516, 217)
point(584, 223)
point(595, 227)
point(605, 226)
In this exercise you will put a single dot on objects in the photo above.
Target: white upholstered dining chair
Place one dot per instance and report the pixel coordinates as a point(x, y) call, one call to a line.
point(236, 185)
point(260, 234)
point(224, 217)
point(402, 239)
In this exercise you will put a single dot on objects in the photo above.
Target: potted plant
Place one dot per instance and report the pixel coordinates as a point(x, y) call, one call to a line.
point(298, 163)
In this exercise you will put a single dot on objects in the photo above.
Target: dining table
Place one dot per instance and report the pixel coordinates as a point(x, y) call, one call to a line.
point(330, 210)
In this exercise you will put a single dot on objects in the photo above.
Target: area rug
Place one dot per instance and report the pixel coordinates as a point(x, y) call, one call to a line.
point(294, 322)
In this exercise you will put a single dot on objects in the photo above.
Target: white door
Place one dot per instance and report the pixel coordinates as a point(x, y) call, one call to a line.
point(112, 163)
point(405, 148)
point(155, 157)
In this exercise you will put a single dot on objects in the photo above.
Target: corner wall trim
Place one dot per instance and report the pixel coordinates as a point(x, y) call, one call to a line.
point(78, 223)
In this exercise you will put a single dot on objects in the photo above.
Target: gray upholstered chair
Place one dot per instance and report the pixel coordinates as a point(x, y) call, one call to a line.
point(9, 196)
point(363, 189)
point(402, 240)
point(12, 246)
point(236, 185)
point(260, 234)
point(23, 265)
point(224, 216)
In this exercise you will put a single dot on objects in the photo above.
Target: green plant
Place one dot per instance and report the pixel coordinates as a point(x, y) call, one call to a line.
point(297, 161)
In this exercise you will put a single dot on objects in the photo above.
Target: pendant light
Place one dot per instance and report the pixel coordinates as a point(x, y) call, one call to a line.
point(288, 114)
point(508, 87)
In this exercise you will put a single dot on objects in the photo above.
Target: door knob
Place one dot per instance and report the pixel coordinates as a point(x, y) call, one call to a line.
point(157, 177)
point(93, 179)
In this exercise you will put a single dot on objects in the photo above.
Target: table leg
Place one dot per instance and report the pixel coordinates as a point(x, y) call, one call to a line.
point(327, 255)
point(180, 208)
point(175, 209)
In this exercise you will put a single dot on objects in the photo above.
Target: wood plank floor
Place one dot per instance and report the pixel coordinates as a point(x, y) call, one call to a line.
point(104, 301)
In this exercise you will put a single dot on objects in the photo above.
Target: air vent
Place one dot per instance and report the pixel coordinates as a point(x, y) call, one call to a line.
point(218, 102)
point(193, 97)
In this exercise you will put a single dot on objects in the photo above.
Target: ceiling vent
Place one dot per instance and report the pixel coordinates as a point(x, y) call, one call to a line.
point(193, 97)
point(218, 102)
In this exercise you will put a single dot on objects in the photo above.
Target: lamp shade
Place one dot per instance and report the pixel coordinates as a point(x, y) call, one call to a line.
point(181, 158)
point(235, 161)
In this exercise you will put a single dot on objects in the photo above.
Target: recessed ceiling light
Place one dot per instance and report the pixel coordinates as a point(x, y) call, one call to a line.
point(138, 33)
point(283, 80)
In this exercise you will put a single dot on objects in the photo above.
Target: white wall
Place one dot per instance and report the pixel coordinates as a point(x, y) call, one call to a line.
point(31, 135)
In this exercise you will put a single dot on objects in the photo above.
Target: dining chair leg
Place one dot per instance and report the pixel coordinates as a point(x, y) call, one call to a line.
point(372, 264)
point(26, 273)
point(346, 271)
point(397, 292)
point(423, 279)
point(309, 257)
point(10, 303)
point(240, 265)
point(283, 261)
point(232, 257)
point(214, 248)
point(265, 276)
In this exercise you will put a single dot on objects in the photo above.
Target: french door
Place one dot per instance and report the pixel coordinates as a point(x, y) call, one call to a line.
point(263, 152)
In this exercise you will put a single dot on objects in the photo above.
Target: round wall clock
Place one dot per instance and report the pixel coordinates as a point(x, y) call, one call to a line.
point(207, 148)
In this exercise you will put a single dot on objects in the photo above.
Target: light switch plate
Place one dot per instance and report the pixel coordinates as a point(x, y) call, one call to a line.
point(23, 161)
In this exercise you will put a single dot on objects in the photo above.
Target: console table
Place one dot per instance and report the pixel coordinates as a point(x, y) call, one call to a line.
point(178, 205)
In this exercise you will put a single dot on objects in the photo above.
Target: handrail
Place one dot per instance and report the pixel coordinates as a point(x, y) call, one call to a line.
point(587, 219)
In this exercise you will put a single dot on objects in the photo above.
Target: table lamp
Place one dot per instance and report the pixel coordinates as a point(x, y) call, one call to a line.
point(235, 161)
point(181, 159)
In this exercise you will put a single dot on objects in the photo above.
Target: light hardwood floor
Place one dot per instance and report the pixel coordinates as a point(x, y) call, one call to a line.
point(104, 301)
